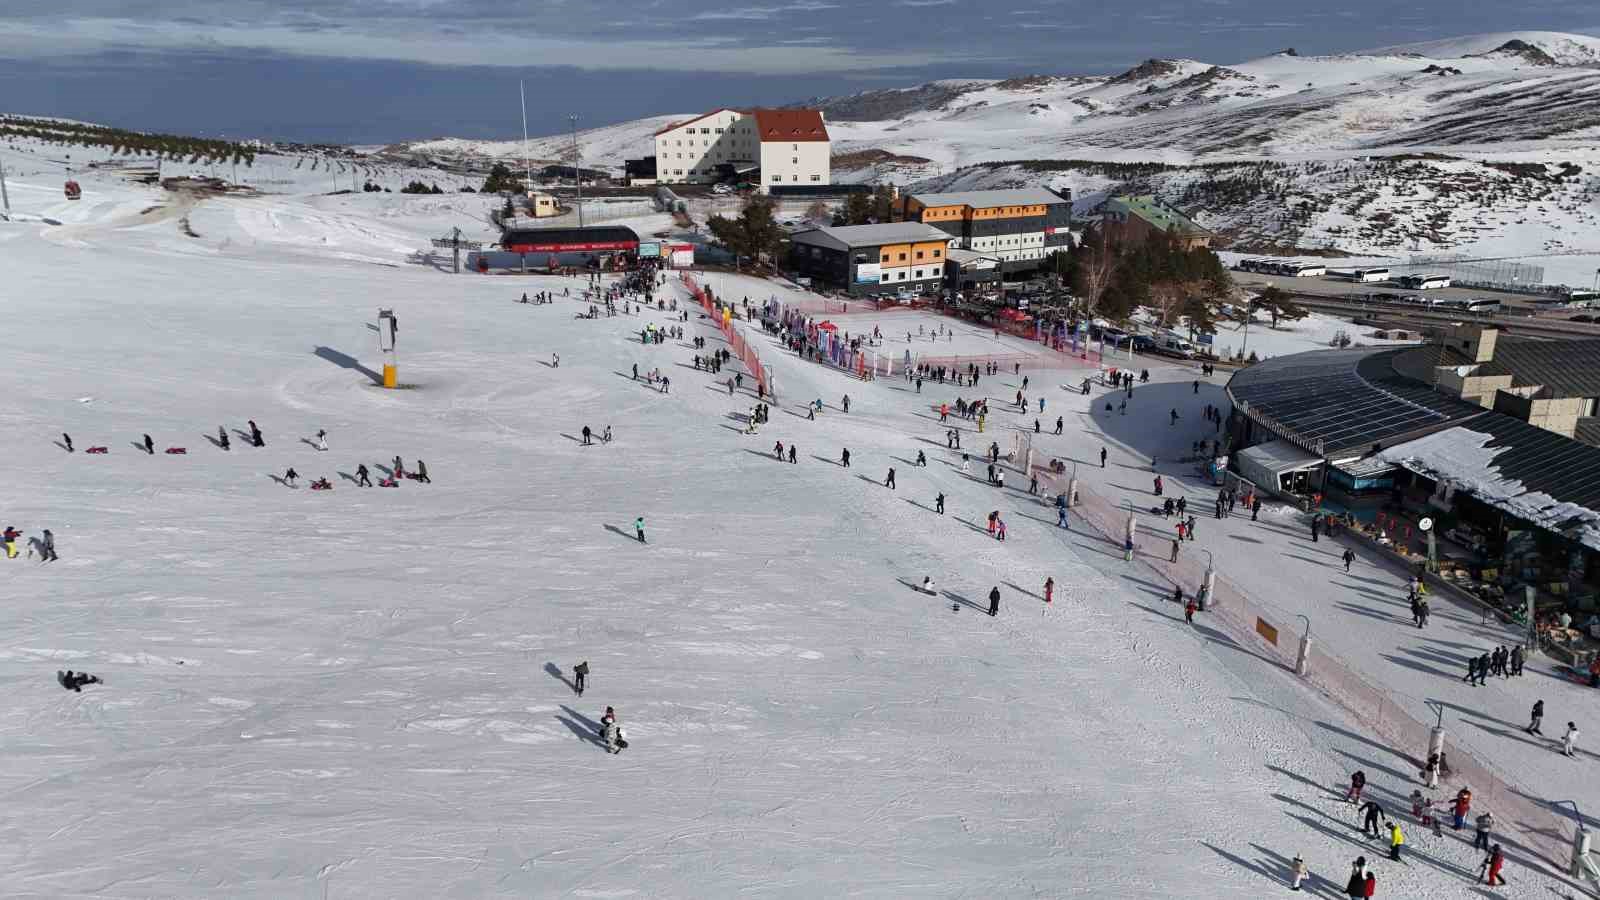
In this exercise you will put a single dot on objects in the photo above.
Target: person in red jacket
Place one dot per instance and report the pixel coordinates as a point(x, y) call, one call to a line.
point(1358, 781)
point(1372, 885)
point(1049, 589)
point(1463, 806)
point(1493, 864)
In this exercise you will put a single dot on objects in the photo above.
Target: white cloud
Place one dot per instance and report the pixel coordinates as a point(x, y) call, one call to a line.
point(721, 53)
point(756, 13)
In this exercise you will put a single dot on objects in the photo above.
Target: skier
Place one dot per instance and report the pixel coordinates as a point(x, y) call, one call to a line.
point(1492, 864)
point(638, 528)
point(1102, 457)
point(1174, 418)
point(149, 445)
point(222, 438)
point(889, 481)
point(67, 439)
point(636, 376)
point(1372, 812)
point(289, 476)
point(994, 600)
point(1396, 840)
point(938, 504)
point(1000, 533)
point(580, 674)
point(322, 440)
point(1358, 782)
point(844, 458)
point(422, 473)
point(362, 476)
point(48, 554)
point(1049, 589)
point(1297, 872)
point(1485, 824)
point(586, 435)
point(1533, 726)
point(1567, 740)
point(1349, 557)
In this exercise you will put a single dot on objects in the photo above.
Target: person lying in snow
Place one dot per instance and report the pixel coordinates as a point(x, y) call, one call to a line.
point(74, 681)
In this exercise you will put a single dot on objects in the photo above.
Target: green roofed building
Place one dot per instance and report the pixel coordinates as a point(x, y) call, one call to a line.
point(1131, 220)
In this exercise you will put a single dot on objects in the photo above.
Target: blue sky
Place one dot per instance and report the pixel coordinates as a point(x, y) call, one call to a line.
point(366, 71)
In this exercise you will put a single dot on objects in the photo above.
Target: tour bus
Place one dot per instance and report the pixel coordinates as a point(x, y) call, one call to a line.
point(1582, 299)
point(1370, 276)
point(1305, 269)
point(1424, 282)
point(1480, 305)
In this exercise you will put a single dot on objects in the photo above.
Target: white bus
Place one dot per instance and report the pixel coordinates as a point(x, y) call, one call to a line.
point(1582, 299)
point(1306, 270)
point(1480, 305)
point(1424, 282)
point(1370, 276)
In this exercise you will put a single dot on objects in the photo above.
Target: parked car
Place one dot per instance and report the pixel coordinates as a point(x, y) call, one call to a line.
point(722, 188)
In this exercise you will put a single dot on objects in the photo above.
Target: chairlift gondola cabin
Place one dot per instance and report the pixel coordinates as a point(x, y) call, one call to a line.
point(72, 190)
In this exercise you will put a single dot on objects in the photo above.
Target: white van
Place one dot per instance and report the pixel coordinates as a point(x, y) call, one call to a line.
point(1172, 345)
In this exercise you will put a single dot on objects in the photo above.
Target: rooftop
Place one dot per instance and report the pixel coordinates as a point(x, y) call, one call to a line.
point(1158, 214)
point(987, 199)
point(790, 125)
point(1567, 368)
point(844, 237)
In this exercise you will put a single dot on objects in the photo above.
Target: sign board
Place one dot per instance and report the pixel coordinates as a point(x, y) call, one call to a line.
point(574, 247)
point(804, 281)
point(1267, 631)
point(1207, 339)
point(447, 243)
point(649, 250)
point(682, 254)
point(869, 273)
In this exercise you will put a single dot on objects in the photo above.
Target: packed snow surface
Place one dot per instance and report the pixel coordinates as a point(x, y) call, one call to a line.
point(364, 692)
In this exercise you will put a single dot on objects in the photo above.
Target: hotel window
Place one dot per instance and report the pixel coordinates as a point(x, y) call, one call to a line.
point(794, 160)
point(777, 178)
point(816, 178)
point(902, 276)
point(919, 254)
point(885, 258)
point(902, 257)
point(885, 278)
point(936, 254)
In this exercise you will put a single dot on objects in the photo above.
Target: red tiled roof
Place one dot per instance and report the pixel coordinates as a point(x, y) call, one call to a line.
point(790, 125)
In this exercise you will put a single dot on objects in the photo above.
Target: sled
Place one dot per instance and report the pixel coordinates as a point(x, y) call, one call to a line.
point(97, 450)
point(388, 482)
point(177, 451)
point(322, 487)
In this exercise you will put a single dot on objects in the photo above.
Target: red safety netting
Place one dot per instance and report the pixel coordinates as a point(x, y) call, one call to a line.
point(736, 342)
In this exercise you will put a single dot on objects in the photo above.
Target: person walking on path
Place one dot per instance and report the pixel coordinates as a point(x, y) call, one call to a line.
point(1061, 518)
point(1568, 740)
point(994, 601)
point(149, 445)
point(1049, 589)
point(1297, 873)
point(47, 553)
point(638, 528)
point(844, 457)
point(1396, 840)
point(422, 473)
point(1463, 805)
point(1255, 508)
point(1189, 609)
point(580, 675)
point(1357, 885)
point(1517, 659)
point(1158, 485)
point(1188, 528)
point(1349, 557)
point(1175, 545)
point(938, 504)
point(1485, 824)
point(363, 478)
point(1472, 670)
point(888, 481)
point(587, 435)
point(1316, 526)
point(1358, 783)
point(1102, 457)
point(1536, 718)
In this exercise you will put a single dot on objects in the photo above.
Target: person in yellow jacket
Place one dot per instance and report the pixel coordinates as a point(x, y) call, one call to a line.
point(1396, 840)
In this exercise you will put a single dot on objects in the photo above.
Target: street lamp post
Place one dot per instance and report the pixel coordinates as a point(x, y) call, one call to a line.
point(1209, 582)
point(1435, 742)
point(1131, 529)
point(1302, 657)
point(577, 172)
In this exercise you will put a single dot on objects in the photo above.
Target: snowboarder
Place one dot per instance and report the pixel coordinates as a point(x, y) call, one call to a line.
point(422, 473)
point(938, 504)
point(844, 458)
point(1349, 557)
point(1537, 717)
point(1567, 740)
point(289, 476)
point(363, 478)
point(580, 675)
point(47, 553)
point(67, 439)
point(994, 600)
point(149, 445)
point(322, 440)
point(889, 481)
point(638, 528)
